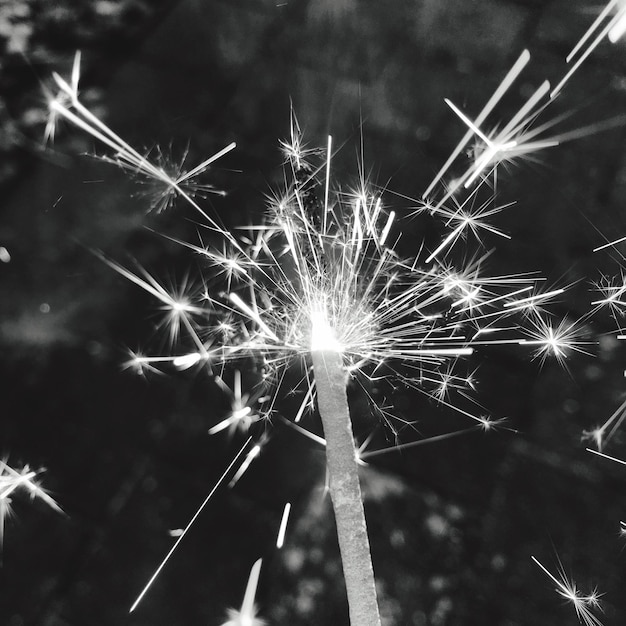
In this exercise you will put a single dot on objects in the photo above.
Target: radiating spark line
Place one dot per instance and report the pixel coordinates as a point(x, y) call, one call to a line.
point(124, 154)
point(606, 456)
point(532, 299)
point(610, 244)
point(329, 146)
point(243, 468)
point(307, 400)
point(253, 315)
point(367, 454)
point(280, 540)
point(186, 529)
point(613, 29)
point(387, 228)
point(246, 616)
point(502, 88)
point(11, 480)
point(307, 433)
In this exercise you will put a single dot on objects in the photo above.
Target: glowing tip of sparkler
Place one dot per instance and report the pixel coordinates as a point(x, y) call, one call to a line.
point(323, 338)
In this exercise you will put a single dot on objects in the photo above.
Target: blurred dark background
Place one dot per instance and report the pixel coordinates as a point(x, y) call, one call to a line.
point(453, 524)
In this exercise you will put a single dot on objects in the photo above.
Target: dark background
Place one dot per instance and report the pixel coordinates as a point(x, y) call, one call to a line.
point(453, 524)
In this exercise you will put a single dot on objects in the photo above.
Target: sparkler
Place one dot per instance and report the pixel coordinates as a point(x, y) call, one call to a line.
point(322, 286)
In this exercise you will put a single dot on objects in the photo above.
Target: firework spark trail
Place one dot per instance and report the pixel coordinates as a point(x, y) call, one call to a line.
point(67, 105)
point(515, 140)
point(606, 456)
point(612, 29)
point(181, 536)
point(246, 616)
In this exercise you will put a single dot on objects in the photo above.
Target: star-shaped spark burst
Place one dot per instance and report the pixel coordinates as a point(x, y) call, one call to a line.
point(583, 604)
point(14, 481)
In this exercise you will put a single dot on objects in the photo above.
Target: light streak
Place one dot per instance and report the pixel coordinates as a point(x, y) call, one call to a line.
point(243, 468)
point(246, 616)
point(280, 540)
point(612, 29)
point(181, 536)
point(606, 456)
point(497, 95)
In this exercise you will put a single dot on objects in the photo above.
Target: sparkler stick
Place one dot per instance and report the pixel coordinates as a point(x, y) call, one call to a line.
point(345, 491)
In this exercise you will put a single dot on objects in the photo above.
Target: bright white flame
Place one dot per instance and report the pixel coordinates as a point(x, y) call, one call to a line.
point(323, 338)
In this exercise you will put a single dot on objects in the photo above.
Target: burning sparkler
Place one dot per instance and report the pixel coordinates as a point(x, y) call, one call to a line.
point(321, 286)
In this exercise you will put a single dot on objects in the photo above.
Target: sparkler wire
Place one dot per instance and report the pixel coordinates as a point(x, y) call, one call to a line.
point(345, 491)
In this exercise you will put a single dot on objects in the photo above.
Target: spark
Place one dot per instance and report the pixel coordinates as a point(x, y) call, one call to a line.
point(497, 95)
point(514, 140)
point(367, 454)
point(68, 106)
point(606, 456)
point(280, 540)
point(610, 244)
point(181, 535)
point(241, 415)
point(243, 468)
point(601, 435)
point(246, 616)
point(557, 341)
point(567, 589)
point(13, 481)
point(605, 26)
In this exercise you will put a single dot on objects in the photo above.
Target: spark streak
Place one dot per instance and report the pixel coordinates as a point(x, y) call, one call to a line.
point(186, 529)
point(280, 540)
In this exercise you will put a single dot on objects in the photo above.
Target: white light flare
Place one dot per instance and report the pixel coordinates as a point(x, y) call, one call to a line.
point(323, 337)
